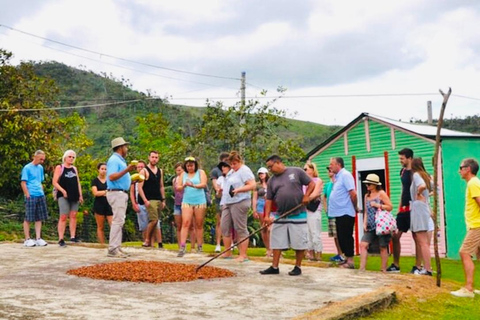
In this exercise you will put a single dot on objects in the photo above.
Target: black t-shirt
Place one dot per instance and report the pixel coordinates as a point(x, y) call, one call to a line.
point(406, 178)
point(99, 202)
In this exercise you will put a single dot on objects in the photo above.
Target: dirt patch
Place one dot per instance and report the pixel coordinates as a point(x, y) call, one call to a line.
point(35, 284)
point(149, 271)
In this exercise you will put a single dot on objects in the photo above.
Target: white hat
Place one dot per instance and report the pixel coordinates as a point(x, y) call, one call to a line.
point(372, 178)
point(262, 170)
point(117, 142)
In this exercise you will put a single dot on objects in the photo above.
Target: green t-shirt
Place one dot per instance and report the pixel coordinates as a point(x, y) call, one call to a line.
point(327, 190)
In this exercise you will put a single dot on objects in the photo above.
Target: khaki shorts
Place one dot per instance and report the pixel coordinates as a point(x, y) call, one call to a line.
point(289, 233)
point(154, 210)
point(471, 243)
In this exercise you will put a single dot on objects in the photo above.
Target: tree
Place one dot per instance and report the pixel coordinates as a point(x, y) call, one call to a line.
point(225, 128)
point(28, 124)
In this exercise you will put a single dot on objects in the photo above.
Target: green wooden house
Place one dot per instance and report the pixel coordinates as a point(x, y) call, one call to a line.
point(370, 144)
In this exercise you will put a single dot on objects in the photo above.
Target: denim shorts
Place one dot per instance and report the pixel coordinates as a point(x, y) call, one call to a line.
point(177, 210)
point(142, 218)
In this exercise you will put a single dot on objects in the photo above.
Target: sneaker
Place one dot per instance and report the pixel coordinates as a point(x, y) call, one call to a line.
point(270, 270)
point(62, 243)
point(40, 242)
point(124, 252)
point(337, 258)
point(414, 269)
point(181, 252)
point(296, 271)
point(29, 243)
point(463, 292)
point(160, 245)
point(422, 272)
point(476, 291)
point(75, 240)
point(116, 254)
point(199, 249)
point(393, 268)
point(218, 248)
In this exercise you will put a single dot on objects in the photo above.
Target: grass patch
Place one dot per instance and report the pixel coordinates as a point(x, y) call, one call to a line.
point(418, 298)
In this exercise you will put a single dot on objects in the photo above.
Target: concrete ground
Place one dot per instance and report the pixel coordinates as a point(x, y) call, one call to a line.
point(34, 285)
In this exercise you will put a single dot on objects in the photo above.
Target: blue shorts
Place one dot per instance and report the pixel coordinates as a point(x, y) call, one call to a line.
point(142, 218)
point(36, 209)
point(177, 210)
point(260, 206)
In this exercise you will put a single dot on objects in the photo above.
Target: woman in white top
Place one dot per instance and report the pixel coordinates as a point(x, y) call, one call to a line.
point(420, 213)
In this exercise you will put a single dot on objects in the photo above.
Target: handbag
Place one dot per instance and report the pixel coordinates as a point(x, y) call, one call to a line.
point(385, 223)
point(312, 206)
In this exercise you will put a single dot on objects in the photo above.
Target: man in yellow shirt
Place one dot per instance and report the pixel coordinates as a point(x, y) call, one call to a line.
point(471, 243)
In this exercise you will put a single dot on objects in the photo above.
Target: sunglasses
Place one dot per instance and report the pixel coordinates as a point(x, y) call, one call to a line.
point(190, 159)
point(461, 167)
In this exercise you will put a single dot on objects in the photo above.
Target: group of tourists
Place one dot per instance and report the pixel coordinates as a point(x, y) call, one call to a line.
point(287, 201)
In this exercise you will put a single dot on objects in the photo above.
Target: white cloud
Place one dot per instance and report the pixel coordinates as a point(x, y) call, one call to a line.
point(316, 48)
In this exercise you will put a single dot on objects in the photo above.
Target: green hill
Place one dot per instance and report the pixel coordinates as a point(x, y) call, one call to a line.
point(86, 88)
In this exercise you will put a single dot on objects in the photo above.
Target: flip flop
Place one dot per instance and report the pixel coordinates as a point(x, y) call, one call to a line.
point(348, 266)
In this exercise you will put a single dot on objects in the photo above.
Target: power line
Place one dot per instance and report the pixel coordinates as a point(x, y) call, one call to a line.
point(77, 107)
point(118, 58)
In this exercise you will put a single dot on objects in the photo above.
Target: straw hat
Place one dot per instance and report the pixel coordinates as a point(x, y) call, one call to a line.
point(117, 142)
point(372, 178)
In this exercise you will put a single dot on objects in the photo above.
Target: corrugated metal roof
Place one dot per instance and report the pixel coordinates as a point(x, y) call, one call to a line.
point(423, 129)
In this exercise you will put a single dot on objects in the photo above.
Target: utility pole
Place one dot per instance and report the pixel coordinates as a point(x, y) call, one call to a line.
point(242, 110)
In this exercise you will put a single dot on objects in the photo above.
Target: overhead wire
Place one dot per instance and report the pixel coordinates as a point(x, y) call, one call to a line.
point(118, 58)
point(130, 69)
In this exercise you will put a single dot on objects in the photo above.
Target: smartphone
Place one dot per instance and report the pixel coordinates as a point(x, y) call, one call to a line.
point(231, 191)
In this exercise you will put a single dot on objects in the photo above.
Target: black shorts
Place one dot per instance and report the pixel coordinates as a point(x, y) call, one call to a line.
point(103, 210)
point(403, 221)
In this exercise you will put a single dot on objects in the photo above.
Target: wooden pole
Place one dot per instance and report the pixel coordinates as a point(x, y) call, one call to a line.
point(435, 184)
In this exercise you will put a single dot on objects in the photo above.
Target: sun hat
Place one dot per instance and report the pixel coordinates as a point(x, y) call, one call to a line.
point(117, 142)
point(372, 178)
point(262, 170)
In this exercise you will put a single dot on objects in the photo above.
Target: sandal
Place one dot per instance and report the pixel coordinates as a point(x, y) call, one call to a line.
point(348, 266)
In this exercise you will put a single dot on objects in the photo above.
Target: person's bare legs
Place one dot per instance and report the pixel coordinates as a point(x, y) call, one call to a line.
point(100, 219)
point(397, 247)
point(178, 224)
point(72, 224)
point(62, 225)
point(199, 216)
point(468, 269)
point(218, 230)
point(38, 229)
point(363, 255)
point(337, 245)
point(26, 229)
point(187, 215)
point(227, 242)
point(424, 249)
point(299, 254)
point(384, 259)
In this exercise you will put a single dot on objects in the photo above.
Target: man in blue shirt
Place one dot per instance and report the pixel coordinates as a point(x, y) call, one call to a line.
point(35, 202)
point(342, 205)
point(118, 186)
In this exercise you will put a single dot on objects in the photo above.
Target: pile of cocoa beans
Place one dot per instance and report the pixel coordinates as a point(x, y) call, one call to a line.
point(149, 271)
